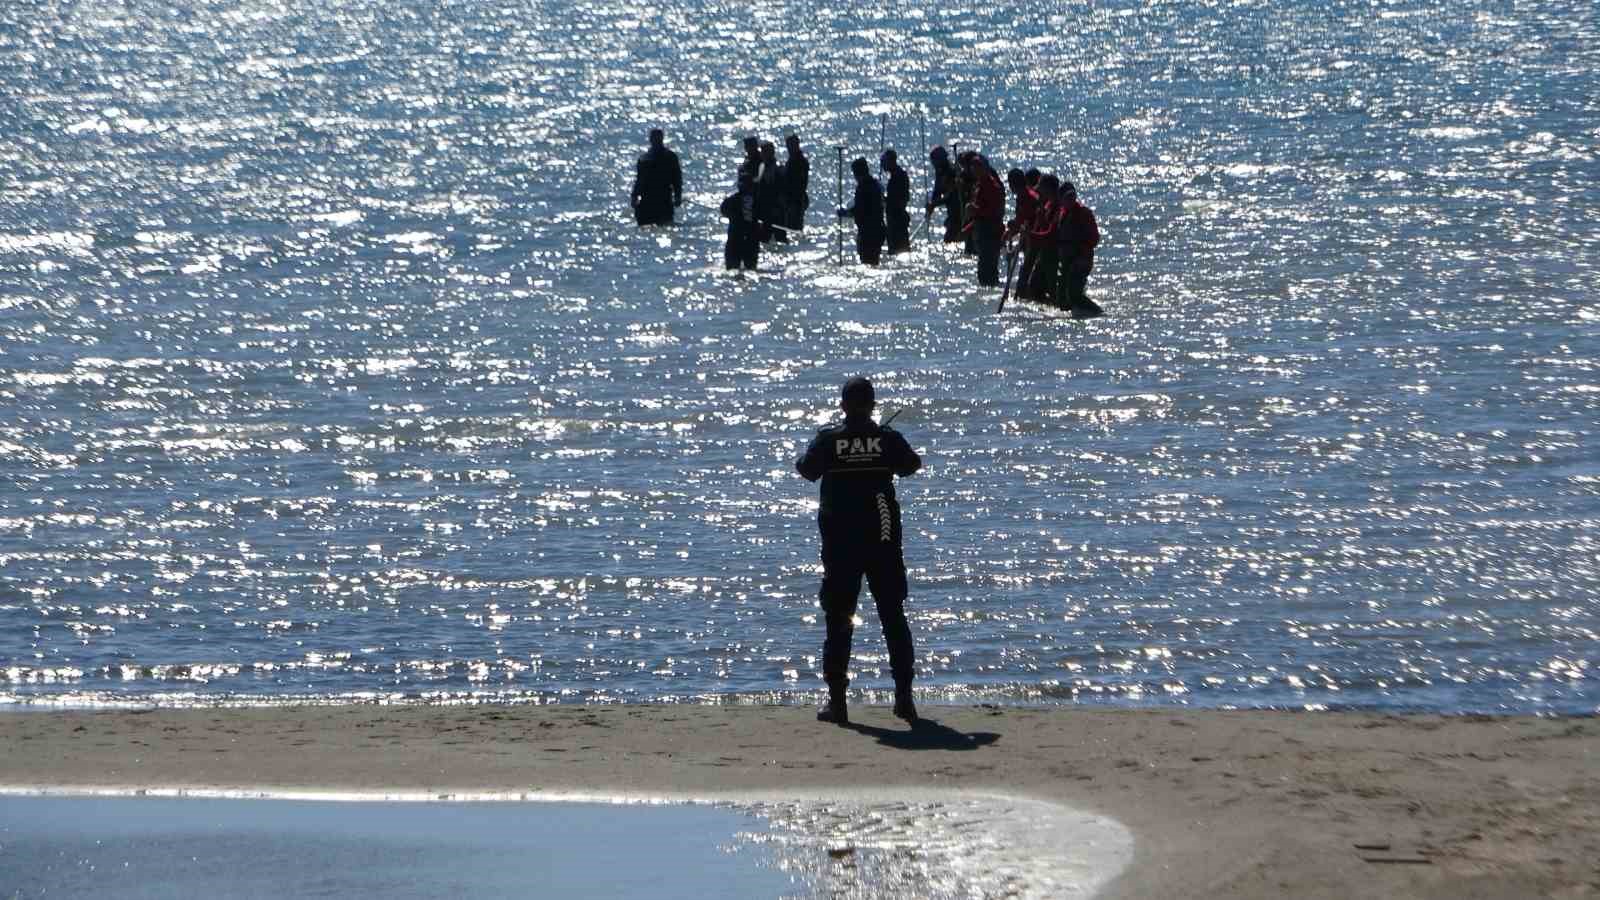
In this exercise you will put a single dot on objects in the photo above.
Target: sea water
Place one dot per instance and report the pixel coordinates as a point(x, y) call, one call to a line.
point(332, 366)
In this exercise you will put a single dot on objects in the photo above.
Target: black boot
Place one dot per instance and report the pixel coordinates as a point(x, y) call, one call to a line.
point(904, 708)
point(836, 710)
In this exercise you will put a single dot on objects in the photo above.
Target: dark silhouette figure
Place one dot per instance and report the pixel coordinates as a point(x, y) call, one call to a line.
point(752, 156)
point(769, 195)
point(1076, 237)
point(986, 209)
point(743, 249)
point(657, 183)
point(859, 519)
point(1042, 276)
point(796, 181)
point(896, 196)
point(867, 210)
point(1022, 184)
point(946, 193)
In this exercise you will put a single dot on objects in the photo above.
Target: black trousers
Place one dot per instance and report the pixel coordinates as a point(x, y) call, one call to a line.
point(653, 212)
point(1071, 288)
point(899, 230)
point(869, 247)
point(987, 234)
point(952, 224)
point(741, 251)
point(1042, 280)
point(844, 563)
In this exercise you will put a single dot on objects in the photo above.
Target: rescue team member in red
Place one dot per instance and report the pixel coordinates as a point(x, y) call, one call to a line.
point(985, 215)
point(1076, 237)
point(1021, 184)
point(1042, 280)
point(859, 519)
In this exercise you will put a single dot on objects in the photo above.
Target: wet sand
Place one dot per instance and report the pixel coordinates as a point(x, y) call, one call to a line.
point(1221, 804)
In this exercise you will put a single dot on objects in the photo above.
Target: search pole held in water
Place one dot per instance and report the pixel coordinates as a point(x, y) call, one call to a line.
point(883, 131)
point(839, 227)
point(922, 127)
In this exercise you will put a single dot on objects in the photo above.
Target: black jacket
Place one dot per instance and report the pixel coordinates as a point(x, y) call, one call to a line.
point(857, 461)
point(658, 180)
point(867, 207)
point(797, 177)
point(741, 212)
point(899, 192)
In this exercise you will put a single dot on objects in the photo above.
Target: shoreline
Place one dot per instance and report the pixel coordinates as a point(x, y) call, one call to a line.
point(1219, 803)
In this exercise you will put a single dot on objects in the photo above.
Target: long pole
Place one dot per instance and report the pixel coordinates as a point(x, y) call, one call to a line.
point(839, 228)
point(1011, 265)
point(961, 195)
point(883, 126)
point(922, 126)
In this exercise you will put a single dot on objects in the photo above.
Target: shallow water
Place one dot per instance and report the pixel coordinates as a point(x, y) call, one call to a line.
point(121, 847)
point(117, 843)
point(332, 367)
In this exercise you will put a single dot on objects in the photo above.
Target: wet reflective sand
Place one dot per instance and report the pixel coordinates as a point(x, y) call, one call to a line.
point(205, 842)
point(976, 802)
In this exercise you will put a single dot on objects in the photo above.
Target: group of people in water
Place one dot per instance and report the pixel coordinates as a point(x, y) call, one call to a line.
point(1050, 231)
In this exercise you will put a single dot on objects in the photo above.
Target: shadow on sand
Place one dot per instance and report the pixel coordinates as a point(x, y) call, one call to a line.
point(927, 734)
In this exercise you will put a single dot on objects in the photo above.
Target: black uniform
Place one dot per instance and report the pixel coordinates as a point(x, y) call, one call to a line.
point(744, 239)
point(797, 180)
point(947, 193)
point(867, 210)
point(769, 200)
point(894, 211)
point(657, 187)
point(860, 523)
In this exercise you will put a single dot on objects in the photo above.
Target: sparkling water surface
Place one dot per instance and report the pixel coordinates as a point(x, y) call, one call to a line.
point(332, 365)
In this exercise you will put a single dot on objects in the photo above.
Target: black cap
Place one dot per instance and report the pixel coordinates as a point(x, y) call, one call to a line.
point(857, 393)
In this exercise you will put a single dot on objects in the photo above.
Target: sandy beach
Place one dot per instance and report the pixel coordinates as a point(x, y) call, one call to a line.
point(1221, 804)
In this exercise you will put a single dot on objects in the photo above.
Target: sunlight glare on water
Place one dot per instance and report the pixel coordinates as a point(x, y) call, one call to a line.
point(333, 367)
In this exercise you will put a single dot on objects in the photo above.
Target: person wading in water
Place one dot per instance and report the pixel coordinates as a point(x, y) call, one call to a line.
point(657, 183)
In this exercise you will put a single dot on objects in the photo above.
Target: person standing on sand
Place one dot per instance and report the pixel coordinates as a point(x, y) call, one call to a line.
point(859, 519)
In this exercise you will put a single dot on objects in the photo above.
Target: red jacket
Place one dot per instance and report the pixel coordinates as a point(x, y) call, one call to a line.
point(1027, 208)
point(1078, 233)
point(1043, 232)
point(988, 198)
